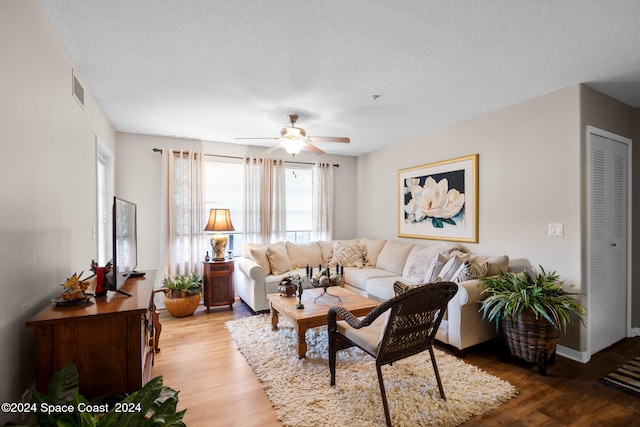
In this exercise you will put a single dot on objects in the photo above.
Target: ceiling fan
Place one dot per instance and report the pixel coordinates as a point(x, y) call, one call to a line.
point(294, 139)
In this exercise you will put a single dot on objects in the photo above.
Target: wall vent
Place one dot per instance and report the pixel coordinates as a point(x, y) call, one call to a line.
point(78, 90)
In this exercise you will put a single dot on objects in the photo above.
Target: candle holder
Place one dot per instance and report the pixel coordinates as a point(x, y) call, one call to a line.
point(325, 282)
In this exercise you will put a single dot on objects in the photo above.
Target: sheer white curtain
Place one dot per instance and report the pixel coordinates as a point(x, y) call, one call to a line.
point(322, 227)
point(183, 216)
point(264, 201)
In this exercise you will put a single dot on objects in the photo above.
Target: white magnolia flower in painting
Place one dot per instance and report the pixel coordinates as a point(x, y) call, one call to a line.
point(434, 200)
point(411, 184)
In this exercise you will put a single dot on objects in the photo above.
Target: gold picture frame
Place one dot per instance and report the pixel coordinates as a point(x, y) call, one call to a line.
point(439, 201)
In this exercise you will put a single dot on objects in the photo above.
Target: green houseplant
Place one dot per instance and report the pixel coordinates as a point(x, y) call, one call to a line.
point(530, 309)
point(182, 293)
point(152, 405)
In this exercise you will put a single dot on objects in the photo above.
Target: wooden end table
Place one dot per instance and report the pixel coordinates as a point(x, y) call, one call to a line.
point(218, 283)
point(314, 313)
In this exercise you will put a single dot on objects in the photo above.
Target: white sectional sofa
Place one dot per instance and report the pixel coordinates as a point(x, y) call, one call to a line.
point(371, 267)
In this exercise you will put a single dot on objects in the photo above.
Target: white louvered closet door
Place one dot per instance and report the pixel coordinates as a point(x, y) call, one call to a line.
point(608, 238)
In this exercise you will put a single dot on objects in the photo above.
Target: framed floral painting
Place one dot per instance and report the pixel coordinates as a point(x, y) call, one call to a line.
point(439, 201)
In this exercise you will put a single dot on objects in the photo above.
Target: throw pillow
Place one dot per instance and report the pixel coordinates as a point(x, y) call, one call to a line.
point(260, 257)
point(373, 250)
point(393, 257)
point(473, 270)
point(245, 249)
point(301, 255)
point(348, 254)
point(326, 248)
point(433, 272)
point(399, 288)
point(453, 268)
point(278, 258)
point(418, 263)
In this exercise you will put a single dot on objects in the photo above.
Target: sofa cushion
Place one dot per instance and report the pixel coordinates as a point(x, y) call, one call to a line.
point(381, 288)
point(301, 255)
point(357, 277)
point(373, 250)
point(418, 263)
point(259, 255)
point(393, 257)
point(348, 254)
point(278, 258)
point(368, 337)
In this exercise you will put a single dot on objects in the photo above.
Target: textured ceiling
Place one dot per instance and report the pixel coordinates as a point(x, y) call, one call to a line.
point(216, 70)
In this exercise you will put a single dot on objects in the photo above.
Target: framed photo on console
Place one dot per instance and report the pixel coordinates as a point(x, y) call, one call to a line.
point(439, 201)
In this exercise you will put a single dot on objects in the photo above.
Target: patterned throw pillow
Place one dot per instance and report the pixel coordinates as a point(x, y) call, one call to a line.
point(399, 288)
point(348, 254)
point(473, 270)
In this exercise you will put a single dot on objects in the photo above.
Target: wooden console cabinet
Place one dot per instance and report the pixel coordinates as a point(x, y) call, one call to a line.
point(109, 339)
point(218, 283)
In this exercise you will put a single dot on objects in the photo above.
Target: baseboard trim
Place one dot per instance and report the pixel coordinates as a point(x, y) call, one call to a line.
point(635, 332)
point(569, 353)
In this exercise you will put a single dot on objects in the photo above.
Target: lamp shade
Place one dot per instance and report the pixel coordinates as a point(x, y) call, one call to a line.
point(219, 220)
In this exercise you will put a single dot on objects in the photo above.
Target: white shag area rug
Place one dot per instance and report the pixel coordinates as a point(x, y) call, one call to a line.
point(300, 392)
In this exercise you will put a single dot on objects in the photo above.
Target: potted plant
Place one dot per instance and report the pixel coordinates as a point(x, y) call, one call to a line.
point(182, 293)
point(530, 309)
point(152, 405)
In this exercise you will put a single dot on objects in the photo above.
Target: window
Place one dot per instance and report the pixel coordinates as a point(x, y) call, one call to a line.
point(102, 209)
point(224, 188)
point(298, 183)
point(104, 194)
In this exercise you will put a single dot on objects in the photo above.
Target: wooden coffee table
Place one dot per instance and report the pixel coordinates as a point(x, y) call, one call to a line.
point(314, 313)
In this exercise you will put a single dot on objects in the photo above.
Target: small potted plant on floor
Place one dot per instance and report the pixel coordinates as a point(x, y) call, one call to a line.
point(182, 295)
point(530, 309)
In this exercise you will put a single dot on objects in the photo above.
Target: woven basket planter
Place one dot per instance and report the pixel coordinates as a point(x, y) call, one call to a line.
point(179, 306)
point(530, 339)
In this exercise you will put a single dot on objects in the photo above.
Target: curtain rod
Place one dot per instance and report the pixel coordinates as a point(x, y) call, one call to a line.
point(159, 150)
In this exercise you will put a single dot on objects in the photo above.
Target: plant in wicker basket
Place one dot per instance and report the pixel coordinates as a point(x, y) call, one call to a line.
point(182, 293)
point(530, 309)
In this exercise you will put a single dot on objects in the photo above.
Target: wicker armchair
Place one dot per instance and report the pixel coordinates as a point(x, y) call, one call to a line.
point(398, 328)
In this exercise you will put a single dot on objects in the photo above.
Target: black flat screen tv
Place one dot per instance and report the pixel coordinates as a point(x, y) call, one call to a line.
point(125, 245)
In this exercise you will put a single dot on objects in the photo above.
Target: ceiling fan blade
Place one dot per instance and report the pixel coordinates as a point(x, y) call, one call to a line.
point(313, 148)
point(267, 137)
point(270, 150)
point(328, 139)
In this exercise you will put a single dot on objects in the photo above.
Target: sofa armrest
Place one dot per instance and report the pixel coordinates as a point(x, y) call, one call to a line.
point(469, 291)
point(251, 269)
point(465, 324)
point(250, 284)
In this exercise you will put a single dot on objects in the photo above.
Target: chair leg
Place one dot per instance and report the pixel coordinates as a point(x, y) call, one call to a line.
point(387, 416)
point(435, 369)
point(332, 360)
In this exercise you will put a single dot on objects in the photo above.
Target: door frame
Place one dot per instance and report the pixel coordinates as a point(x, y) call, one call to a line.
point(591, 130)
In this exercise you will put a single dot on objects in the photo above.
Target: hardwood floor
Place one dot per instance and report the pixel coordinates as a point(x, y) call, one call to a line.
point(217, 386)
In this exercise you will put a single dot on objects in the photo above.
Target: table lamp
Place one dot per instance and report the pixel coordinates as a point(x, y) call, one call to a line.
point(219, 220)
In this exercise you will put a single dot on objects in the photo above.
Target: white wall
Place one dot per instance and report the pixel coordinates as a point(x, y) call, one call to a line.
point(47, 170)
point(529, 175)
point(138, 175)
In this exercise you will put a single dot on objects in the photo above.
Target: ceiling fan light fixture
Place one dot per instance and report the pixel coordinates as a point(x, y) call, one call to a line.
point(292, 133)
point(293, 146)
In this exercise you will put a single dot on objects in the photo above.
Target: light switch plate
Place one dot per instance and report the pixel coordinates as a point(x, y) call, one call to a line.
point(556, 230)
